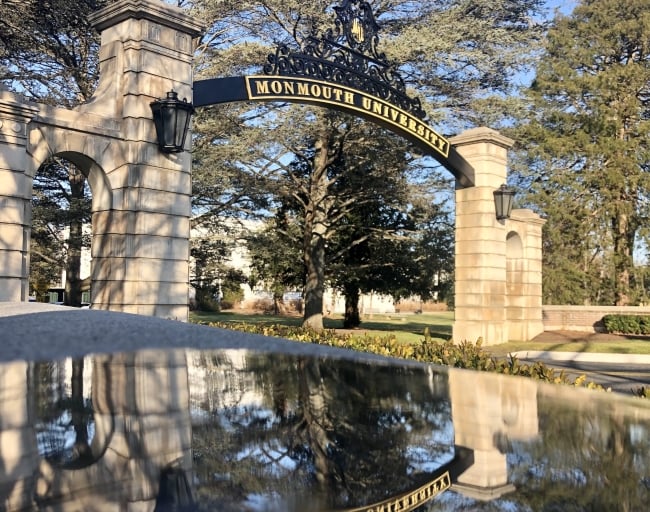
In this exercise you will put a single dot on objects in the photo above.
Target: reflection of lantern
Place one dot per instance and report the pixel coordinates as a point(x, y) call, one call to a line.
point(172, 119)
point(503, 197)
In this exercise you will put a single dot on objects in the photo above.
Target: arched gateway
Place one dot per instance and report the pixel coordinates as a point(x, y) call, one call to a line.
point(141, 196)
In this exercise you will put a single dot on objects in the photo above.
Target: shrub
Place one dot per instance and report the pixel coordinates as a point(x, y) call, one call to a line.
point(447, 353)
point(205, 300)
point(627, 324)
point(231, 296)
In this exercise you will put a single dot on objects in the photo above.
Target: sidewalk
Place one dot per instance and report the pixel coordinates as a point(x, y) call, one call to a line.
point(582, 357)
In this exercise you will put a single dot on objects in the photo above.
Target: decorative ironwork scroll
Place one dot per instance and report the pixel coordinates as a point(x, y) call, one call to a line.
point(347, 55)
point(342, 70)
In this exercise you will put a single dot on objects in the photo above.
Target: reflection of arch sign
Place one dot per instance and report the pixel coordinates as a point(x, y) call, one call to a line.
point(410, 500)
point(344, 71)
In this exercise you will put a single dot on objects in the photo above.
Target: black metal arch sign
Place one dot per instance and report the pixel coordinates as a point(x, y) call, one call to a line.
point(342, 70)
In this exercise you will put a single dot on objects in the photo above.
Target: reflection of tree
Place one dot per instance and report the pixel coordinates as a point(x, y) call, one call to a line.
point(64, 412)
point(80, 412)
point(585, 460)
point(344, 432)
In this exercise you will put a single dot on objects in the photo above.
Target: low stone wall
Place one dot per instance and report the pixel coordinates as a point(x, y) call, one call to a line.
point(584, 318)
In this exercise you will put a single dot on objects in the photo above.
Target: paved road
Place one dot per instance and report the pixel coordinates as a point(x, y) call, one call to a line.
point(620, 372)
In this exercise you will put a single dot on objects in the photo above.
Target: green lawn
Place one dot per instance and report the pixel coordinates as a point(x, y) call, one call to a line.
point(409, 328)
point(406, 328)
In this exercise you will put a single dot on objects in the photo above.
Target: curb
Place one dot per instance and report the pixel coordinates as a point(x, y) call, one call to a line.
point(582, 357)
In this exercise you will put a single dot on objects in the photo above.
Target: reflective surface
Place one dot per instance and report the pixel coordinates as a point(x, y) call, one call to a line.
point(238, 430)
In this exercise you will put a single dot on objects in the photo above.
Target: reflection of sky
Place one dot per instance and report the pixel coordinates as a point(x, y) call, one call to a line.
point(279, 463)
point(57, 438)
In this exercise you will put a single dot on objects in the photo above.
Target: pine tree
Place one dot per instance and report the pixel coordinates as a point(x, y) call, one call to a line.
point(586, 145)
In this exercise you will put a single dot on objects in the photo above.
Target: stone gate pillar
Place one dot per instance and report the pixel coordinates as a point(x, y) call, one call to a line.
point(480, 280)
point(15, 198)
point(140, 246)
point(524, 275)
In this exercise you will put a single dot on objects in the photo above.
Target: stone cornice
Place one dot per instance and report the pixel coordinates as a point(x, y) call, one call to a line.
point(157, 12)
point(479, 135)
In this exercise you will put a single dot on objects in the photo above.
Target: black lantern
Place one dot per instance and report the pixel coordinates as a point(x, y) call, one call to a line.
point(503, 197)
point(172, 119)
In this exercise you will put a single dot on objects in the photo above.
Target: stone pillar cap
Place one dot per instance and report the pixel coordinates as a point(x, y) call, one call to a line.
point(481, 134)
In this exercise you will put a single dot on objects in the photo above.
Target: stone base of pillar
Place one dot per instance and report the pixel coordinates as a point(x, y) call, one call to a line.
point(482, 493)
point(524, 330)
point(490, 333)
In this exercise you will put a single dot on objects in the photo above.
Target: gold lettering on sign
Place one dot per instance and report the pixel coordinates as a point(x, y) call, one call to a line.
point(316, 91)
point(261, 88)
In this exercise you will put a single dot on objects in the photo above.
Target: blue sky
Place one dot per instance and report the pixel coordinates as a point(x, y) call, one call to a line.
point(565, 6)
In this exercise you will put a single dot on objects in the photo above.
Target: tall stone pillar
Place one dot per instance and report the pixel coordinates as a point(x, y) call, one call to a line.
point(140, 245)
point(15, 198)
point(480, 286)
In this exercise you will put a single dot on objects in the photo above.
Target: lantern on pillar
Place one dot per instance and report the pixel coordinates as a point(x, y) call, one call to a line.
point(171, 117)
point(503, 197)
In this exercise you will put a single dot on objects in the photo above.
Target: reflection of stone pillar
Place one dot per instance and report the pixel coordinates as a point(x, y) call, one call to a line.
point(480, 241)
point(142, 427)
point(18, 449)
point(488, 408)
point(146, 397)
point(15, 198)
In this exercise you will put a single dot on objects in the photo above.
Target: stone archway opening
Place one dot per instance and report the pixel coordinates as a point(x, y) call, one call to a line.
point(67, 189)
point(515, 266)
point(60, 234)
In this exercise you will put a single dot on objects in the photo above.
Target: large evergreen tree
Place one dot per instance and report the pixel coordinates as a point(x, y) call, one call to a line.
point(587, 152)
point(48, 50)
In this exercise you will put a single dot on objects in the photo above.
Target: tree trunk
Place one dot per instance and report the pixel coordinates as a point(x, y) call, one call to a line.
point(351, 318)
point(278, 304)
point(314, 285)
point(79, 417)
point(314, 397)
point(623, 235)
point(75, 242)
point(316, 216)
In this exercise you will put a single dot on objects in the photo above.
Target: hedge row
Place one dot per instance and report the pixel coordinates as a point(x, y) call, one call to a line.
point(462, 355)
point(627, 324)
